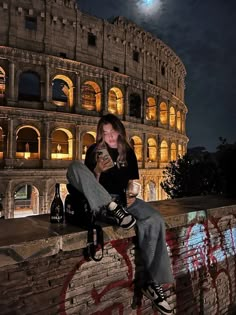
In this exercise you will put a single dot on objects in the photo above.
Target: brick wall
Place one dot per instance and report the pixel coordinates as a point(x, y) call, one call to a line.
point(50, 276)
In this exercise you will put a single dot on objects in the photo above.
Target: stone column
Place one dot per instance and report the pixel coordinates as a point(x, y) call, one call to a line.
point(77, 94)
point(10, 139)
point(47, 84)
point(12, 81)
point(105, 95)
point(46, 145)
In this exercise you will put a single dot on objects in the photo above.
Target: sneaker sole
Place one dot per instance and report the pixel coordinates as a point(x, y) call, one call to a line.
point(154, 306)
point(130, 226)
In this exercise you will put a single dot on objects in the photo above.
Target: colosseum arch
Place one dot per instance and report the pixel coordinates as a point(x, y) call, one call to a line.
point(2, 85)
point(178, 124)
point(164, 152)
point(163, 113)
point(172, 117)
point(1, 142)
point(62, 91)
point(135, 105)
point(180, 150)
point(173, 152)
point(88, 139)
point(27, 142)
point(26, 200)
point(151, 194)
point(115, 101)
point(183, 123)
point(61, 144)
point(29, 88)
point(136, 143)
point(151, 113)
point(151, 150)
point(91, 96)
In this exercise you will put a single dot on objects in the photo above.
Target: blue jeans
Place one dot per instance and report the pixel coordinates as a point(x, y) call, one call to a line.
point(150, 224)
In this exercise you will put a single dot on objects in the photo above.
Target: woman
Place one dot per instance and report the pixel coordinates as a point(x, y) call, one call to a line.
point(109, 177)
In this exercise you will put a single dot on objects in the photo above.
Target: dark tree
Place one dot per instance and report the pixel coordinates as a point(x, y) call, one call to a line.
point(194, 174)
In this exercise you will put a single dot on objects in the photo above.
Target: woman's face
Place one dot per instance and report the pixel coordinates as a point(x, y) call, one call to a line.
point(110, 136)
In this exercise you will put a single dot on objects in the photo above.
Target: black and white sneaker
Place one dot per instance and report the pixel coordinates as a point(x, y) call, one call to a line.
point(155, 293)
point(123, 218)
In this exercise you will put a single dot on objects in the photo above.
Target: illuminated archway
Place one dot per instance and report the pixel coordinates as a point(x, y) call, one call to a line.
point(87, 140)
point(151, 109)
point(2, 85)
point(91, 96)
point(173, 152)
point(1, 143)
point(180, 150)
point(137, 145)
point(28, 143)
point(163, 113)
point(172, 117)
point(178, 120)
point(164, 152)
point(151, 191)
point(62, 91)
point(115, 101)
point(61, 145)
point(26, 200)
point(151, 150)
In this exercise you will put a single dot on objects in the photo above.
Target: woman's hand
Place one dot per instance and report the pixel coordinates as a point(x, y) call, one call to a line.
point(103, 164)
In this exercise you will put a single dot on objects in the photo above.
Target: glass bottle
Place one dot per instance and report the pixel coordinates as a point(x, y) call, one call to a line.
point(57, 211)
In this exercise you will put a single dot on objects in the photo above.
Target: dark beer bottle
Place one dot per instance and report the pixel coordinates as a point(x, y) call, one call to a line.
point(56, 211)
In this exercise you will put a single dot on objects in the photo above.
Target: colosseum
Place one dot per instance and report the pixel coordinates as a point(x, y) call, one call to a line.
point(60, 70)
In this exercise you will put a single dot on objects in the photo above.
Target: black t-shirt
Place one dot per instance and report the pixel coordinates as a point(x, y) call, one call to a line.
point(114, 180)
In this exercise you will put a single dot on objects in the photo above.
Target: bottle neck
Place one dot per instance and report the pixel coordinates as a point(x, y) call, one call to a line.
point(57, 189)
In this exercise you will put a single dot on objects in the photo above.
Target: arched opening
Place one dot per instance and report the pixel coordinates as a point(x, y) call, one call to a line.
point(29, 86)
point(164, 152)
point(151, 109)
point(183, 123)
point(163, 113)
point(151, 191)
point(135, 105)
point(151, 150)
point(2, 86)
point(180, 150)
point(62, 91)
point(178, 120)
point(115, 101)
point(26, 201)
point(27, 143)
point(91, 96)
point(172, 117)
point(173, 152)
point(61, 145)
point(87, 140)
point(137, 146)
point(1, 143)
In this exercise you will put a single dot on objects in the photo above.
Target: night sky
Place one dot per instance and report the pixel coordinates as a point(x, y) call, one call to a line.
point(202, 34)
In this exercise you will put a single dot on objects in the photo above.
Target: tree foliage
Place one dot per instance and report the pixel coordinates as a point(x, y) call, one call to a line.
point(200, 172)
point(191, 176)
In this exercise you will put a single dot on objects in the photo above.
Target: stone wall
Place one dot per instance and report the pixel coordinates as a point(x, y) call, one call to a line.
point(43, 271)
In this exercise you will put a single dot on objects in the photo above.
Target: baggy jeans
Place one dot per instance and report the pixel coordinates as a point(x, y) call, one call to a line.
point(150, 225)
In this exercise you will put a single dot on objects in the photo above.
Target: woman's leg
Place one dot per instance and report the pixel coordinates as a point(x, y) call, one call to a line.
point(84, 181)
point(80, 177)
point(152, 241)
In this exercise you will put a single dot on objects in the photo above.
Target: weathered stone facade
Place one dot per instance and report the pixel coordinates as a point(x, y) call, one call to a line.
point(60, 70)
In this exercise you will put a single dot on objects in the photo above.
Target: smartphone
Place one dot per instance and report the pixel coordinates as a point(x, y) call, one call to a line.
point(105, 155)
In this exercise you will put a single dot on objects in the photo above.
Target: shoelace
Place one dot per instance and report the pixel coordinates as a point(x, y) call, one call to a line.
point(119, 213)
point(159, 290)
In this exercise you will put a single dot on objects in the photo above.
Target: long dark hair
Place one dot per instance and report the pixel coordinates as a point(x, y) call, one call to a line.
point(122, 142)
